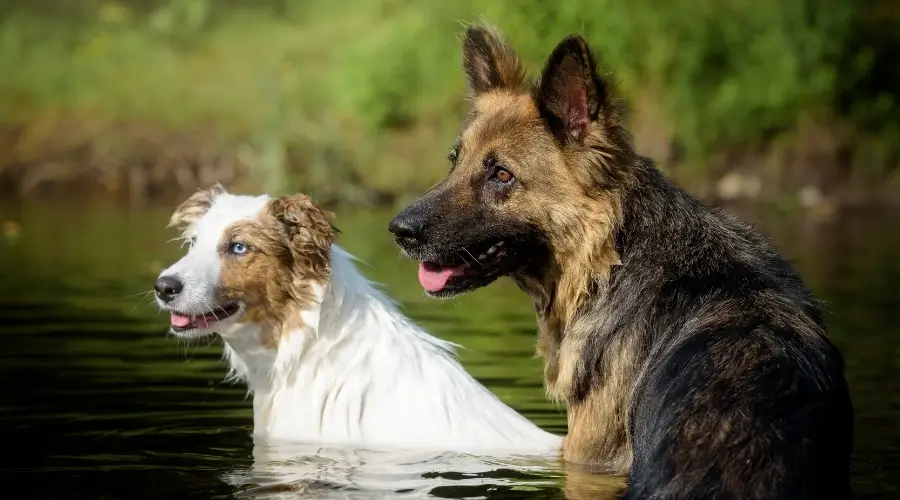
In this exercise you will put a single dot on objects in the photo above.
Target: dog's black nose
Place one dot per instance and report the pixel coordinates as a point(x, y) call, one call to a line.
point(168, 287)
point(407, 229)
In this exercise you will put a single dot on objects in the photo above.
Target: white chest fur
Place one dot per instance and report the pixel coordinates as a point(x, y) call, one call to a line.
point(362, 374)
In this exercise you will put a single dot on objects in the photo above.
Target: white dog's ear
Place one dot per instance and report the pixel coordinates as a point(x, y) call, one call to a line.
point(195, 207)
point(306, 227)
point(307, 234)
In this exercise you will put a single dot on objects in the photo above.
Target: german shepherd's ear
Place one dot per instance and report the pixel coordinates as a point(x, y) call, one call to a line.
point(571, 95)
point(490, 62)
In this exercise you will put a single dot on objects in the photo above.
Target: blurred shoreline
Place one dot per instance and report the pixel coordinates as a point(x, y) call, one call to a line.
point(141, 165)
point(358, 103)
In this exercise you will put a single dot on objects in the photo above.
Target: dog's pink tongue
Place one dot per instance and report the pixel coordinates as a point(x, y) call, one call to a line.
point(179, 321)
point(434, 278)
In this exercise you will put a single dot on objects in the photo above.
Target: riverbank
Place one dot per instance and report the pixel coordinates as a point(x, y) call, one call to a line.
point(149, 99)
point(140, 163)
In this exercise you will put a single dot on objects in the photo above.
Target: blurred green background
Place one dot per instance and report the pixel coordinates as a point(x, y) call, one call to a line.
point(357, 101)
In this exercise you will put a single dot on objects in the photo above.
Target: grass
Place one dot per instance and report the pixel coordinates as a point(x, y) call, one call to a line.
point(358, 100)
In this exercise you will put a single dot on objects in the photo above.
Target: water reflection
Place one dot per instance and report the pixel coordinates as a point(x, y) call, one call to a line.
point(311, 471)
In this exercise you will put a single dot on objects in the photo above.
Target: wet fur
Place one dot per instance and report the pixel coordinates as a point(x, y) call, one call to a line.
point(688, 350)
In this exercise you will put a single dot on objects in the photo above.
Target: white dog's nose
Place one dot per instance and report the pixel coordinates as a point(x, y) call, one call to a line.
point(168, 287)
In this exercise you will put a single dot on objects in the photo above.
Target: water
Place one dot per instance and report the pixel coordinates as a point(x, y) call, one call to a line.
point(98, 402)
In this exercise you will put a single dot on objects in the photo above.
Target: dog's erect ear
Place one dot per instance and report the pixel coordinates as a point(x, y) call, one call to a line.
point(305, 226)
point(489, 61)
point(195, 207)
point(571, 94)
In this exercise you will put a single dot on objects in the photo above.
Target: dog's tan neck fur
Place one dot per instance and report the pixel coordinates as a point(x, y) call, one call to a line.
point(578, 270)
point(598, 422)
point(581, 259)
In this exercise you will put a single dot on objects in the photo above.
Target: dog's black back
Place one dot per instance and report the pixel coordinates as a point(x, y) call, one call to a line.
point(741, 387)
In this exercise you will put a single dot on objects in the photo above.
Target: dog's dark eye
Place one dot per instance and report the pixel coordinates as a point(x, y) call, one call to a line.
point(502, 175)
point(238, 248)
point(453, 156)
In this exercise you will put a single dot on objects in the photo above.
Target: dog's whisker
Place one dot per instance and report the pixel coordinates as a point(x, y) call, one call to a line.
point(212, 311)
point(145, 301)
point(141, 296)
point(463, 257)
point(138, 303)
point(473, 257)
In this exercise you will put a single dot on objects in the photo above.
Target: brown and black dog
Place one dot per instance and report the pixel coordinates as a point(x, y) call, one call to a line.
point(688, 350)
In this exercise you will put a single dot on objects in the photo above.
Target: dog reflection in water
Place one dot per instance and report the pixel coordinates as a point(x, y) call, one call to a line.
point(295, 471)
point(328, 357)
point(309, 471)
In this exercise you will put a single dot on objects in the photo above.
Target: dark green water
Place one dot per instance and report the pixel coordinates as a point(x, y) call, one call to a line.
point(98, 402)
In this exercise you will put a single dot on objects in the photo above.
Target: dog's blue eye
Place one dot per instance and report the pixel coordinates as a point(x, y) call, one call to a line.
point(238, 248)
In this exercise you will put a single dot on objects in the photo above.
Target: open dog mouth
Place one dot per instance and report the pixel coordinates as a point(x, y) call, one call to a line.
point(469, 271)
point(182, 322)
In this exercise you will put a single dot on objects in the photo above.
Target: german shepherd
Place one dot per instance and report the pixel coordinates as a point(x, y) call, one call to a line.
point(689, 352)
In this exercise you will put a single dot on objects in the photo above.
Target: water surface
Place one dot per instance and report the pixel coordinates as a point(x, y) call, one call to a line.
point(98, 402)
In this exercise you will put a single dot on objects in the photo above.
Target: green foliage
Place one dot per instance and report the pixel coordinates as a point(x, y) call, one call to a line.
point(726, 73)
point(302, 83)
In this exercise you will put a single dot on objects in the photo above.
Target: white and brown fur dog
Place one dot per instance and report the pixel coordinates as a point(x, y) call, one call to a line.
point(328, 357)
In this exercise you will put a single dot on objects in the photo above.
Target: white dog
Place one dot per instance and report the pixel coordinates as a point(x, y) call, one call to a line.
point(328, 357)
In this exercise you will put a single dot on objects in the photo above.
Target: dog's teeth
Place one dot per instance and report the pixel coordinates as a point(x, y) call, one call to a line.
point(500, 244)
point(482, 256)
point(492, 250)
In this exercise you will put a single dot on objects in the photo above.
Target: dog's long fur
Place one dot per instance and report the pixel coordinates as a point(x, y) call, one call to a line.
point(328, 357)
point(688, 350)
